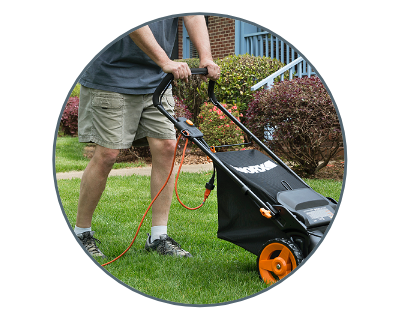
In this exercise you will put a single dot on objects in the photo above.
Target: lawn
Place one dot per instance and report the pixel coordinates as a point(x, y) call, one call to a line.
point(69, 156)
point(218, 272)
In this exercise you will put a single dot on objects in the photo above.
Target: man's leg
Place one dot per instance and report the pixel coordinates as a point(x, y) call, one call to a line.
point(162, 155)
point(93, 184)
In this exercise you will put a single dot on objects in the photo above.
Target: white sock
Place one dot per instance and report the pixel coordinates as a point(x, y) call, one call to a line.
point(81, 230)
point(157, 231)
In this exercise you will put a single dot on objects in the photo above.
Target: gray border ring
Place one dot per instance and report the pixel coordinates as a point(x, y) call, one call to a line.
point(119, 281)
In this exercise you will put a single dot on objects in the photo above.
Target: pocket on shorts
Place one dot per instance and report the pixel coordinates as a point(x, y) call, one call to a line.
point(169, 102)
point(107, 110)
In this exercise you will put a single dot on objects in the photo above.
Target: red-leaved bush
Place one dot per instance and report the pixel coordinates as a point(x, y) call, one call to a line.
point(181, 109)
point(69, 118)
point(298, 120)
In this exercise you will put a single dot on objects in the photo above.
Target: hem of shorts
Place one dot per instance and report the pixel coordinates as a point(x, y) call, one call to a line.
point(155, 135)
point(105, 144)
point(110, 145)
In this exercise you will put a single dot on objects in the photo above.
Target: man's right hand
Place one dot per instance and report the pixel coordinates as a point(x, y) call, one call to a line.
point(180, 70)
point(145, 40)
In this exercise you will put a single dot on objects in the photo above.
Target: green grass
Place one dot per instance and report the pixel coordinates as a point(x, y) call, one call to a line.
point(69, 156)
point(219, 271)
point(328, 188)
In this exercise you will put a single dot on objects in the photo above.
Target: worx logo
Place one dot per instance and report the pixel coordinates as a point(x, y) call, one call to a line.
point(267, 165)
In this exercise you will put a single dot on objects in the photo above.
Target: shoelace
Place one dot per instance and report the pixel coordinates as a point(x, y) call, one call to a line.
point(169, 244)
point(90, 243)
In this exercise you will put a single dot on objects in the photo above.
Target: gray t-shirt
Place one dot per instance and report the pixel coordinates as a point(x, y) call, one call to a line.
point(125, 68)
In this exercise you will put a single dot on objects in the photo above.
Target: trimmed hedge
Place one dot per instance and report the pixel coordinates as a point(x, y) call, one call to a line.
point(238, 74)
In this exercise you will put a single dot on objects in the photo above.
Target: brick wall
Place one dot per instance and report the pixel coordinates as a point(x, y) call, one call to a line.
point(222, 36)
point(179, 35)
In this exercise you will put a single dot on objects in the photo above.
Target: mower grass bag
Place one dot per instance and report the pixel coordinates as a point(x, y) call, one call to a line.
point(239, 218)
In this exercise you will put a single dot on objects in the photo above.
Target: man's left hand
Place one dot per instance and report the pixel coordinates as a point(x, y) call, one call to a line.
point(213, 70)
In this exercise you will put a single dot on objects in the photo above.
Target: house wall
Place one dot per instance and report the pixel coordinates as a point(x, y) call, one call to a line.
point(222, 36)
point(180, 35)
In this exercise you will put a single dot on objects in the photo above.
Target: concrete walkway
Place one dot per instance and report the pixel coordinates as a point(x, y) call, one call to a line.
point(145, 171)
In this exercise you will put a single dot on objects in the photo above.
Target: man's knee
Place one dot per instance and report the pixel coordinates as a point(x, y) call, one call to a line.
point(162, 149)
point(105, 157)
point(167, 148)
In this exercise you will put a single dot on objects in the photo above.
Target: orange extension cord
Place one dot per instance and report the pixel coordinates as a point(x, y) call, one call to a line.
point(206, 194)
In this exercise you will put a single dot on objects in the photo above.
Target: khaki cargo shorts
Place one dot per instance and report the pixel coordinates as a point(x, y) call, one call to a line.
point(118, 121)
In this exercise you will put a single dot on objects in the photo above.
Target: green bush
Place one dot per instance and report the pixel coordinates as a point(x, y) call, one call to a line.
point(238, 75)
point(76, 91)
point(217, 128)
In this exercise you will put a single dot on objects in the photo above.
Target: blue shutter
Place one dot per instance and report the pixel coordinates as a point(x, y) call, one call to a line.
point(185, 42)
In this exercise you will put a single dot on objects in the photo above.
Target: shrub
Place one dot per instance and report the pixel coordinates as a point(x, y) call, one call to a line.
point(193, 93)
point(181, 109)
point(217, 128)
point(69, 118)
point(297, 118)
point(77, 89)
point(238, 74)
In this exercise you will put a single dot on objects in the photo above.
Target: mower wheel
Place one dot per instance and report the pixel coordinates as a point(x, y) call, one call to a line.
point(277, 259)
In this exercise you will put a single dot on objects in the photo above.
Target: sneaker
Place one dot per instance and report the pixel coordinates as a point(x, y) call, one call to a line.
point(89, 242)
point(166, 246)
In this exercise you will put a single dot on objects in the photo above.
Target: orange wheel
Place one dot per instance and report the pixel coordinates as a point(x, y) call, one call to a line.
point(277, 259)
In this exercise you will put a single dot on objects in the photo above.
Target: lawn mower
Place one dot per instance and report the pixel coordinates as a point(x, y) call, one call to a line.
point(263, 205)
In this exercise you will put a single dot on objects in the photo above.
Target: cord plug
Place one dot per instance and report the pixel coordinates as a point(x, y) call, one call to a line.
point(206, 194)
point(210, 185)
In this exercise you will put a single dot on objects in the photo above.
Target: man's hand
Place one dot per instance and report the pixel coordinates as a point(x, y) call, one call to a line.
point(198, 34)
point(197, 29)
point(213, 70)
point(180, 70)
point(145, 40)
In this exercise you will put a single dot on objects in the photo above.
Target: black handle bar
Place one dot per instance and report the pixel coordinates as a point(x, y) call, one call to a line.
point(162, 87)
point(167, 80)
point(157, 96)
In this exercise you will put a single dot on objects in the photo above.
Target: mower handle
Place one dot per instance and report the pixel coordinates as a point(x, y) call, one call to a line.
point(159, 92)
point(167, 80)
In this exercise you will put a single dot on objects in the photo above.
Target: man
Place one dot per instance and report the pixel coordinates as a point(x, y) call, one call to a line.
point(116, 110)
